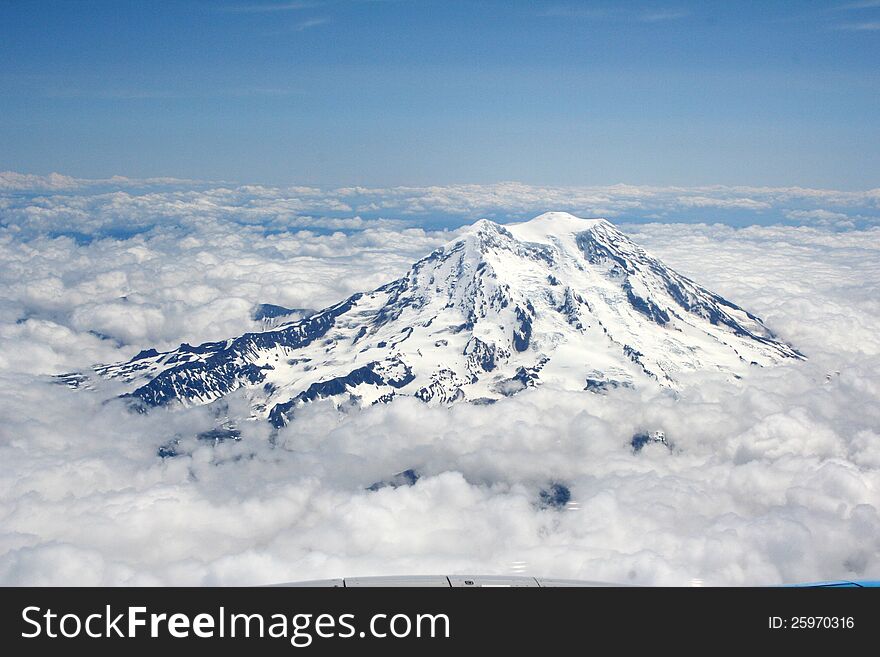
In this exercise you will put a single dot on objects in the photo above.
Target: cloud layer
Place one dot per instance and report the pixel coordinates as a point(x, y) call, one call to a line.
point(118, 206)
point(774, 481)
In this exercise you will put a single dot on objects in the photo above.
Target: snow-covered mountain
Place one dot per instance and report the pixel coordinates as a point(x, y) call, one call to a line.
point(556, 300)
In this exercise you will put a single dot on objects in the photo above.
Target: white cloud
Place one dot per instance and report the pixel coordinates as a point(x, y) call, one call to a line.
point(89, 208)
point(311, 22)
point(775, 481)
point(10, 180)
point(13, 181)
point(708, 202)
point(823, 217)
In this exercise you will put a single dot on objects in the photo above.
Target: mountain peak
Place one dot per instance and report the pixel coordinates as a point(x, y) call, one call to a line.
point(555, 300)
point(550, 228)
point(546, 226)
point(564, 221)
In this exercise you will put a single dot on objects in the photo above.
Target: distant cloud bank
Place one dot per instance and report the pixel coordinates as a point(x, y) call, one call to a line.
point(40, 204)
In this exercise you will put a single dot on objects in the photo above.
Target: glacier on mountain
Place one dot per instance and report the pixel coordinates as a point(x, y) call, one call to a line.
point(556, 300)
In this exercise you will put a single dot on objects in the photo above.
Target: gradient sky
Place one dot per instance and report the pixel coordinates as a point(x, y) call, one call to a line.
point(436, 92)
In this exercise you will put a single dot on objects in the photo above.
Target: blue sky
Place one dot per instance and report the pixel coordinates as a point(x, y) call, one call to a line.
point(424, 92)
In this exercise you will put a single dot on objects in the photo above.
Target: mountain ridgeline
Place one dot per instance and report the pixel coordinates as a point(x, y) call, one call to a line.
point(557, 300)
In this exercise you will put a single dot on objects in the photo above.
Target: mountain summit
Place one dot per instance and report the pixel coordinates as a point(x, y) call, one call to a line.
point(556, 300)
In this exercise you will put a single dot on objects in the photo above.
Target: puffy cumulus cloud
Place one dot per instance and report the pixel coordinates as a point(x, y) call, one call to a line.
point(773, 480)
point(758, 489)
